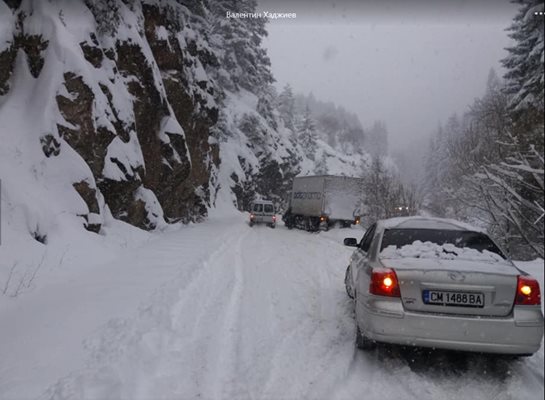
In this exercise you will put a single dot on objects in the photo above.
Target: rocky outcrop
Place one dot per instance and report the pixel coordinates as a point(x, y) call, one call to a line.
point(135, 103)
point(7, 57)
point(50, 145)
point(33, 45)
point(193, 113)
point(89, 195)
point(89, 141)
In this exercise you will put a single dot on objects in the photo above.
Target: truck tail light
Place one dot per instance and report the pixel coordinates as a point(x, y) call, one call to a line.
point(384, 283)
point(528, 292)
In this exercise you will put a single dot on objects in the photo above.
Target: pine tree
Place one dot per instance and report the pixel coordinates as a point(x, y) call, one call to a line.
point(435, 174)
point(244, 61)
point(387, 193)
point(306, 134)
point(489, 124)
point(321, 165)
point(525, 82)
point(267, 106)
point(286, 107)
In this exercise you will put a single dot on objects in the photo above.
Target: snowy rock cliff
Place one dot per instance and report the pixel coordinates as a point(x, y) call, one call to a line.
point(114, 101)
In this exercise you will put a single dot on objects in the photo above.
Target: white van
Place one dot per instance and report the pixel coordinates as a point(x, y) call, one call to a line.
point(262, 212)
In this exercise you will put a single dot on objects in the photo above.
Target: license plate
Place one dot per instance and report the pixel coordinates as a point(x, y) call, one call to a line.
point(449, 298)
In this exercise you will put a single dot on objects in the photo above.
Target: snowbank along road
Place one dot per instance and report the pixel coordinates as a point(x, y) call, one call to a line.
point(220, 310)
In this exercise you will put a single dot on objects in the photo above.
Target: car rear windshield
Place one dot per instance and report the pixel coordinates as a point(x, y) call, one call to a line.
point(269, 208)
point(467, 239)
point(258, 207)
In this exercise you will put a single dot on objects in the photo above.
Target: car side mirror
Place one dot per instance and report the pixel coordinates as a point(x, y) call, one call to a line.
point(352, 242)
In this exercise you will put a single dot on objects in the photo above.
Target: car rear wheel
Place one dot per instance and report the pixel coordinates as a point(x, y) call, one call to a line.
point(346, 283)
point(362, 341)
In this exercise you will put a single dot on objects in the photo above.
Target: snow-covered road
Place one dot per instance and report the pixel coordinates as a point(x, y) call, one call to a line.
point(220, 310)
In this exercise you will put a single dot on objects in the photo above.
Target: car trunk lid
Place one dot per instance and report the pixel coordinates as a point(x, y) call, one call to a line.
point(465, 287)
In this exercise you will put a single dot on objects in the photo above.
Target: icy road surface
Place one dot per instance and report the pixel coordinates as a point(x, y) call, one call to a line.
point(220, 310)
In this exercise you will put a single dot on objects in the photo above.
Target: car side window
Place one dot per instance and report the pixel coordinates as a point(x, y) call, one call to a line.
point(367, 238)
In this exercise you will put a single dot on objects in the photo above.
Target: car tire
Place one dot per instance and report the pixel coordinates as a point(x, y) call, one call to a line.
point(273, 226)
point(346, 278)
point(251, 224)
point(362, 341)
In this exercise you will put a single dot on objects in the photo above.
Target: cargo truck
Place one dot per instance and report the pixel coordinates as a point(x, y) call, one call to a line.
point(322, 201)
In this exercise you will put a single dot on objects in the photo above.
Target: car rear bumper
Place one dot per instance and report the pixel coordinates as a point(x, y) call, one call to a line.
point(263, 220)
point(385, 320)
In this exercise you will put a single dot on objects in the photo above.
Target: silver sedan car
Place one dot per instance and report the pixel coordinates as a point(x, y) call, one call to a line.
point(439, 283)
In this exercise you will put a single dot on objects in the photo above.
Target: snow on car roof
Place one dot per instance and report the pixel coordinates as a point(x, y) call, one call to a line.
point(418, 222)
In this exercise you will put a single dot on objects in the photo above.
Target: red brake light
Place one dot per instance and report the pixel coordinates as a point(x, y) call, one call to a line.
point(384, 283)
point(274, 218)
point(252, 216)
point(527, 291)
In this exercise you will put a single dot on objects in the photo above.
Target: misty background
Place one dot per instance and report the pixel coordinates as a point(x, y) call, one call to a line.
point(408, 64)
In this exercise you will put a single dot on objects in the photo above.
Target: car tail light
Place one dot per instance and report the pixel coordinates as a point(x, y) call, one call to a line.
point(252, 216)
point(384, 283)
point(527, 291)
point(274, 218)
point(357, 221)
point(322, 218)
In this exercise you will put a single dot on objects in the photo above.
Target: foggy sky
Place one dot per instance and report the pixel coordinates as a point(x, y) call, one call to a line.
point(409, 63)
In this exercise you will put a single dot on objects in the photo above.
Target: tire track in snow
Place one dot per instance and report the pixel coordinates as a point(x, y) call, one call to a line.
point(205, 319)
point(313, 351)
point(226, 340)
point(158, 353)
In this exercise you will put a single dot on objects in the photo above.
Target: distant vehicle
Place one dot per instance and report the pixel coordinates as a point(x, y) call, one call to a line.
point(438, 283)
point(401, 211)
point(262, 212)
point(322, 201)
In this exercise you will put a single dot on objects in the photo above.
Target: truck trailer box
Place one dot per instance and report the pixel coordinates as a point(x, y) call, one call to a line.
point(339, 198)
